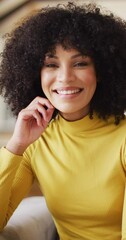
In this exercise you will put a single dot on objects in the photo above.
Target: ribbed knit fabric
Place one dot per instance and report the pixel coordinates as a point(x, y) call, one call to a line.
point(81, 169)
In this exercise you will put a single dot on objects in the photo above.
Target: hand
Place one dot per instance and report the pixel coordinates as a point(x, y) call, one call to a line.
point(31, 122)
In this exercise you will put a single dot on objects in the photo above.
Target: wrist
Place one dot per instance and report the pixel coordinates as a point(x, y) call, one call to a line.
point(15, 148)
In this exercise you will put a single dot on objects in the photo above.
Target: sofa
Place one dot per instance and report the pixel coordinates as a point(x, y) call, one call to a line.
point(30, 221)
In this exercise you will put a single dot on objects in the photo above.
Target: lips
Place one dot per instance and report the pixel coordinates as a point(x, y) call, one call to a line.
point(67, 91)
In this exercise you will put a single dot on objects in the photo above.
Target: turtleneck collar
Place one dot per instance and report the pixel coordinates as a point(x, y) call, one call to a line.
point(82, 125)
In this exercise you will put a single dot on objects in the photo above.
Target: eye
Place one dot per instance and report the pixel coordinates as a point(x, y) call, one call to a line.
point(81, 64)
point(50, 65)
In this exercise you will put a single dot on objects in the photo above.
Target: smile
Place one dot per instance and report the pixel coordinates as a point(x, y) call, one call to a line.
point(68, 92)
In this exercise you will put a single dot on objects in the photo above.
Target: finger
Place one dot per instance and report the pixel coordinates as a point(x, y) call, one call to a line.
point(50, 112)
point(43, 112)
point(27, 114)
point(41, 109)
point(42, 101)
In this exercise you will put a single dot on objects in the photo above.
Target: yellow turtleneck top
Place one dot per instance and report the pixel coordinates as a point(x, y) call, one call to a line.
point(81, 168)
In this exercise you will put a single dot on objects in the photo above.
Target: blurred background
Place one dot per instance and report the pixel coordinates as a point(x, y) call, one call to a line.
point(11, 12)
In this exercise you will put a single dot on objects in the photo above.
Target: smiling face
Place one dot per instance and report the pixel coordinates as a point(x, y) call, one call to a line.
point(68, 80)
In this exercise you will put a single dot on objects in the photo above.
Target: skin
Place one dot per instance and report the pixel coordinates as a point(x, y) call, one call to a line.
point(68, 80)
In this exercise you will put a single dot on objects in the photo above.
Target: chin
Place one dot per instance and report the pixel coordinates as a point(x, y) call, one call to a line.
point(66, 110)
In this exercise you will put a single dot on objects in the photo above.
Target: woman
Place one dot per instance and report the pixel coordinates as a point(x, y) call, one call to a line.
point(63, 74)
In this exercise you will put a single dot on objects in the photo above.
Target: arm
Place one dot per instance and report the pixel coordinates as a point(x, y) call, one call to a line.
point(123, 158)
point(16, 175)
point(16, 178)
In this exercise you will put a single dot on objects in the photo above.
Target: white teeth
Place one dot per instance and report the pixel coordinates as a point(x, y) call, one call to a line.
point(65, 92)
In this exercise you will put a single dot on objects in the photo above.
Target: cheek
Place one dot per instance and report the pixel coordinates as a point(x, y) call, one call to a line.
point(90, 84)
point(46, 84)
point(43, 86)
point(91, 80)
point(44, 81)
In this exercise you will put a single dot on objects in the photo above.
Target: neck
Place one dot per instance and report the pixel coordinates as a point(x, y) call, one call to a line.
point(74, 116)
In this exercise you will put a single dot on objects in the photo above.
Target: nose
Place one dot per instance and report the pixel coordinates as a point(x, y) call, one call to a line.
point(65, 74)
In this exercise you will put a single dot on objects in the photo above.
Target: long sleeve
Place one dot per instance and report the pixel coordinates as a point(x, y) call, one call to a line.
point(123, 156)
point(16, 178)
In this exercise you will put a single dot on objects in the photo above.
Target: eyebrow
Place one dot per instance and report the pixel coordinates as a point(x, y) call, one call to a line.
point(50, 55)
point(77, 55)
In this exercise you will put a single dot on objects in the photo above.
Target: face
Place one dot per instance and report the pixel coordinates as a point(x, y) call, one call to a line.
point(68, 80)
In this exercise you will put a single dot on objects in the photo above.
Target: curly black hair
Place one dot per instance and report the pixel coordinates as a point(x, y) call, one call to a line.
point(102, 36)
